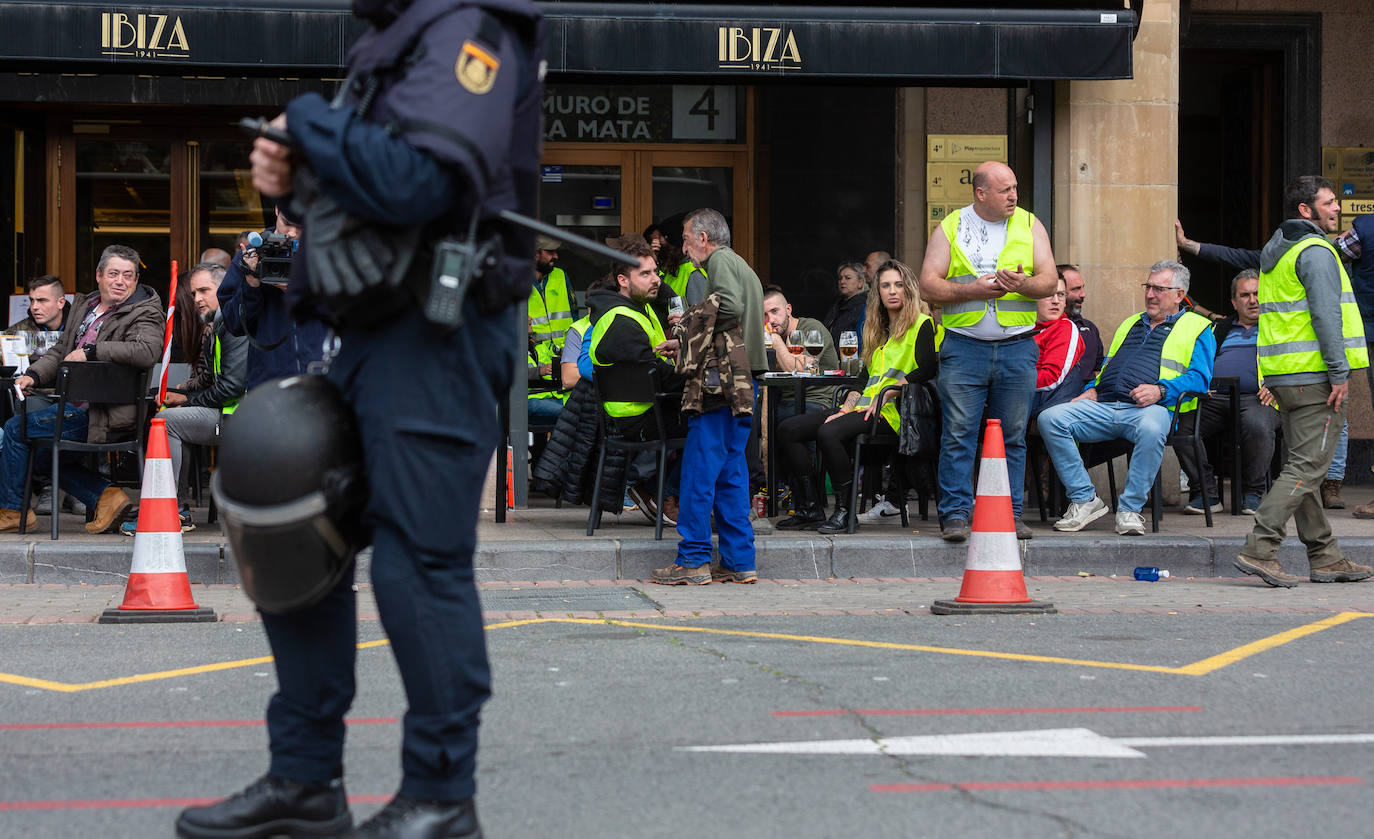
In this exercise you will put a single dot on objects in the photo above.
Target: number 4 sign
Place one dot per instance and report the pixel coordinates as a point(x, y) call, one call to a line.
point(703, 112)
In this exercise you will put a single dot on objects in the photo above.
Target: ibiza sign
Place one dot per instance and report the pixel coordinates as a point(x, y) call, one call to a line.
point(143, 36)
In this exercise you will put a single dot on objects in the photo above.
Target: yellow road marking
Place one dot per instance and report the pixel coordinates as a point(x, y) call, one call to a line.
point(1198, 668)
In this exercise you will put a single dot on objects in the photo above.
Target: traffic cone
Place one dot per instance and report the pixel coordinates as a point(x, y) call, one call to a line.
point(158, 590)
point(993, 583)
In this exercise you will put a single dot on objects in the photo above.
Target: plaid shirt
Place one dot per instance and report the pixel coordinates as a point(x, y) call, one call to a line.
point(1348, 243)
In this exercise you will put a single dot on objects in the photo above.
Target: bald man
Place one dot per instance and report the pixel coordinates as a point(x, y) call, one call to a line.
point(986, 266)
point(218, 256)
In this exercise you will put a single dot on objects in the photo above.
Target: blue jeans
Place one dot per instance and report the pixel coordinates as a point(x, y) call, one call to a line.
point(977, 376)
point(1064, 426)
point(717, 478)
point(79, 482)
point(1336, 472)
point(545, 408)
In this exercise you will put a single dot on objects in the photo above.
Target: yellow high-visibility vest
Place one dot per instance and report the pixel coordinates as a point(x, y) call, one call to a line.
point(1012, 308)
point(893, 359)
point(1287, 342)
point(550, 315)
point(647, 321)
point(1174, 356)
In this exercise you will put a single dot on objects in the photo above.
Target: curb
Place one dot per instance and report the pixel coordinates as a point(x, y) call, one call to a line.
point(812, 557)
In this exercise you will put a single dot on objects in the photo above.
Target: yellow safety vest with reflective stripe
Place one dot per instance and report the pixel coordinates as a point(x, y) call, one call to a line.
point(678, 281)
point(1013, 308)
point(550, 315)
point(231, 405)
point(1174, 356)
point(1287, 342)
point(893, 359)
point(647, 321)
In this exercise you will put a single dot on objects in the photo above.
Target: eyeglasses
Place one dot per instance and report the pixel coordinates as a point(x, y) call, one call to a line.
point(1158, 289)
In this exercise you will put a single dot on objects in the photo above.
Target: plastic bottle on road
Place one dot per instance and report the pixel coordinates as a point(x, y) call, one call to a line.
point(1150, 574)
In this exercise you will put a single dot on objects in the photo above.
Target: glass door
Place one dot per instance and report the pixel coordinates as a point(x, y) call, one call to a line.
point(674, 183)
point(587, 193)
point(123, 197)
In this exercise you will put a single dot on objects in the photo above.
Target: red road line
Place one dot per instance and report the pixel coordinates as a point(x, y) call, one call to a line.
point(134, 803)
point(1135, 783)
point(916, 712)
point(78, 726)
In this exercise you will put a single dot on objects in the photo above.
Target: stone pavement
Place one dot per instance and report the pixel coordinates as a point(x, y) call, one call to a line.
point(610, 599)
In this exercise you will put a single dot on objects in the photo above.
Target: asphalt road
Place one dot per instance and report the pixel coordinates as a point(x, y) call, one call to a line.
point(590, 731)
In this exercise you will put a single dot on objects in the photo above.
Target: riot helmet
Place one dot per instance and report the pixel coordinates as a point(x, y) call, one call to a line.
point(290, 484)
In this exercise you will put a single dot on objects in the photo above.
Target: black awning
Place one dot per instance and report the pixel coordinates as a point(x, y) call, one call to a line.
point(643, 40)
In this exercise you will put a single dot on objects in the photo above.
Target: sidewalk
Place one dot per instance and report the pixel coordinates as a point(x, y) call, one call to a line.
point(544, 543)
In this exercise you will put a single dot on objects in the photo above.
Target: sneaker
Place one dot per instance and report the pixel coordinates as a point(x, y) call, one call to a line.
point(881, 509)
point(1331, 495)
point(642, 500)
point(130, 528)
point(678, 575)
point(954, 529)
point(1252, 502)
point(1342, 571)
point(1129, 524)
point(1081, 514)
point(42, 505)
point(1269, 570)
point(721, 574)
point(1194, 507)
point(1023, 531)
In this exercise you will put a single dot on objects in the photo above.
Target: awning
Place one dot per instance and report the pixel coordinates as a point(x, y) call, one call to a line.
point(642, 40)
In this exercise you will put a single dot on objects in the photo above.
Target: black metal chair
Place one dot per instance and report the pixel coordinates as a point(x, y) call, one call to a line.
point(92, 382)
point(624, 382)
point(887, 442)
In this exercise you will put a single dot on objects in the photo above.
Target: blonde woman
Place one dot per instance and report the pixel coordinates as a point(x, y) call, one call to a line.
point(898, 347)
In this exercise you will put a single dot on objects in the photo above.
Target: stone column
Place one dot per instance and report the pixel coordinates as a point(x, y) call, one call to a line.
point(1116, 171)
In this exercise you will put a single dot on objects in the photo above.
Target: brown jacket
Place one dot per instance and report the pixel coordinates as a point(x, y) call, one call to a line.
point(131, 335)
point(714, 363)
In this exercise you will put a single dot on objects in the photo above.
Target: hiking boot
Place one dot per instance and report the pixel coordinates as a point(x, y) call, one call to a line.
point(670, 510)
point(678, 575)
point(1341, 571)
point(721, 574)
point(1331, 495)
point(1269, 570)
point(114, 503)
point(1129, 523)
point(1364, 511)
point(954, 529)
point(881, 509)
point(9, 520)
point(1081, 514)
point(411, 818)
point(1252, 503)
point(1023, 531)
point(271, 806)
point(1194, 506)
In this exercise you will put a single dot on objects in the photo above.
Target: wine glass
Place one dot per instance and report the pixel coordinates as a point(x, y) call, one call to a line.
point(849, 348)
point(676, 308)
point(794, 344)
point(814, 346)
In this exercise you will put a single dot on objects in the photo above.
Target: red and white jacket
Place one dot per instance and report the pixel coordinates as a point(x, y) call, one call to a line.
point(1060, 349)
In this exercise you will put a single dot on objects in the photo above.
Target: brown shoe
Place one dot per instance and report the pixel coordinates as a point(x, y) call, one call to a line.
point(1342, 571)
point(1364, 511)
point(114, 503)
point(9, 520)
point(1269, 570)
point(721, 574)
point(677, 575)
point(1331, 495)
point(670, 510)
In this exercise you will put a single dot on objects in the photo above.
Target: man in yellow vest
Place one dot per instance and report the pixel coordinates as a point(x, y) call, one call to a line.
point(985, 266)
point(1310, 339)
point(195, 410)
point(552, 308)
point(1154, 358)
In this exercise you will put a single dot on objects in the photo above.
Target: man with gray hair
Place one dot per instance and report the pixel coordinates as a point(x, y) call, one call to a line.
point(715, 472)
point(1156, 356)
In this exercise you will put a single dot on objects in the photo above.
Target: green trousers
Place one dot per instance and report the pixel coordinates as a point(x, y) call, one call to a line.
point(1310, 429)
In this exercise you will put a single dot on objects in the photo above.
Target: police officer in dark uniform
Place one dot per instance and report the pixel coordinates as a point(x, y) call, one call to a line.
point(439, 122)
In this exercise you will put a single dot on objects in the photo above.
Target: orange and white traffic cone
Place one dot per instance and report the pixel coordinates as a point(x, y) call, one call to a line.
point(158, 589)
point(993, 582)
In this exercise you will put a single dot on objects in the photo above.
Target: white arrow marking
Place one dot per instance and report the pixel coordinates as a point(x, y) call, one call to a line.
point(1050, 742)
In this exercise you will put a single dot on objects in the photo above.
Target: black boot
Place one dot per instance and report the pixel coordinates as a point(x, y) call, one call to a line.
point(272, 806)
point(809, 511)
point(411, 818)
point(839, 520)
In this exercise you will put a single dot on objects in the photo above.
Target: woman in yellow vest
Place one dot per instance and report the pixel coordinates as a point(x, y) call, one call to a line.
point(898, 347)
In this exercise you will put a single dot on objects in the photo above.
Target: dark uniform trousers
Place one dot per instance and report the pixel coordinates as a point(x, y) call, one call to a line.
point(425, 403)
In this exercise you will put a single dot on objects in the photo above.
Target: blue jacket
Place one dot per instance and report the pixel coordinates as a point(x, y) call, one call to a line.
point(264, 314)
point(1137, 362)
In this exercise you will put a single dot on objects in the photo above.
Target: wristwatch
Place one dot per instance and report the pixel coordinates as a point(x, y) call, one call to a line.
point(1162, 392)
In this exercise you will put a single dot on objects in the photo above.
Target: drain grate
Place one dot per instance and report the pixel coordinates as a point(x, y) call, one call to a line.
point(567, 600)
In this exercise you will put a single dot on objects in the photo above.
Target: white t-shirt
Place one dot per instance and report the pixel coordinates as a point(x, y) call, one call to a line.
point(982, 242)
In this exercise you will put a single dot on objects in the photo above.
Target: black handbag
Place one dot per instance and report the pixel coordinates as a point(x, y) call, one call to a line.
point(919, 406)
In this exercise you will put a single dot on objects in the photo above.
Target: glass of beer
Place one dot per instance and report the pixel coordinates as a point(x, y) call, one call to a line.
point(814, 346)
point(849, 349)
point(676, 307)
point(794, 346)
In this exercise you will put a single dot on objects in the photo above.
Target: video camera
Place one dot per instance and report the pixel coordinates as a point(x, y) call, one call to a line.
point(275, 252)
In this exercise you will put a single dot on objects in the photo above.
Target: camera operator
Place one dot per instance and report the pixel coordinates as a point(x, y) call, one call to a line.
point(435, 133)
point(258, 308)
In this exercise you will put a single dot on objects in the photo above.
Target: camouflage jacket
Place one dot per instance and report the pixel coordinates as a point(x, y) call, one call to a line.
point(715, 364)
